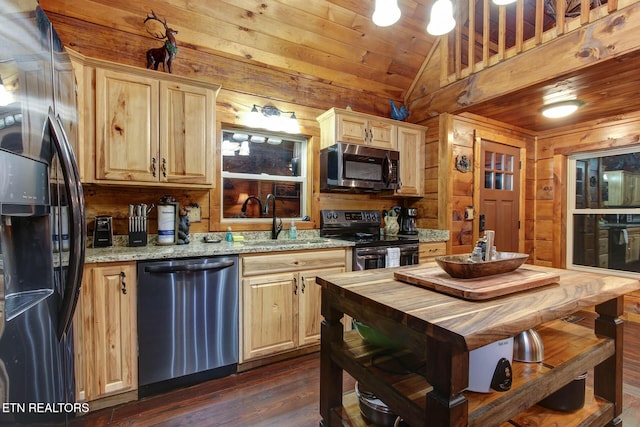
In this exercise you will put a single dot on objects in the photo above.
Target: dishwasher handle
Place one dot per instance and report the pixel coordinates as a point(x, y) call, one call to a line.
point(167, 269)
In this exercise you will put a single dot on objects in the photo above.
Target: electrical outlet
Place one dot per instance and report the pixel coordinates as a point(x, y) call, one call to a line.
point(194, 213)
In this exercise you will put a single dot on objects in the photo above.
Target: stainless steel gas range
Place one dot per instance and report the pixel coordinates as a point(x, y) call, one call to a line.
point(371, 250)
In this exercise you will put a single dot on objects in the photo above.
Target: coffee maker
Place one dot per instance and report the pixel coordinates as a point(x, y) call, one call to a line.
point(408, 218)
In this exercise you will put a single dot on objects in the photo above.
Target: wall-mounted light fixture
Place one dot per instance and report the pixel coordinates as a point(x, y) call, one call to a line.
point(561, 109)
point(441, 21)
point(386, 13)
point(271, 118)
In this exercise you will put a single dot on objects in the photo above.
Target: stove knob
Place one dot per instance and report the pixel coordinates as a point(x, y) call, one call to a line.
point(335, 215)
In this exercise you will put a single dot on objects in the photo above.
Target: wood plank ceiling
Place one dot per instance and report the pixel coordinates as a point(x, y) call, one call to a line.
point(335, 43)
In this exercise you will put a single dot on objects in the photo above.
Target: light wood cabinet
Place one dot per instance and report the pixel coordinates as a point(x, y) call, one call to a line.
point(281, 300)
point(337, 125)
point(126, 127)
point(633, 247)
point(146, 127)
point(411, 148)
point(622, 187)
point(268, 315)
point(105, 332)
point(428, 251)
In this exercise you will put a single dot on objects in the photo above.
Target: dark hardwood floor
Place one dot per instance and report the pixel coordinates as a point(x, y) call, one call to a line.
point(285, 394)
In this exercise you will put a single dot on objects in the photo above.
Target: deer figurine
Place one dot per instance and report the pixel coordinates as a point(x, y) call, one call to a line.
point(162, 55)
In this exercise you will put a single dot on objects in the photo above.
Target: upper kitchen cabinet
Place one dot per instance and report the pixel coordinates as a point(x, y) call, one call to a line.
point(411, 148)
point(148, 127)
point(338, 125)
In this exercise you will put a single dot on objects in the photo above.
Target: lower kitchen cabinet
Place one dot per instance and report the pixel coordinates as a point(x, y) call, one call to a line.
point(280, 307)
point(105, 337)
point(429, 251)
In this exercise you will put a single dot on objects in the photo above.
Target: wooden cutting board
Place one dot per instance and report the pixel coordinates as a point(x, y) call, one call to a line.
point(480, 288)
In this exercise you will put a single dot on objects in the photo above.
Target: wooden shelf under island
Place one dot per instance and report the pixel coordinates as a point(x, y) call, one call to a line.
point(442, 328)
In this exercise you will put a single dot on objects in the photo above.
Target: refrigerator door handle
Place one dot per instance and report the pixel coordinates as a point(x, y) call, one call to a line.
point(77, 224)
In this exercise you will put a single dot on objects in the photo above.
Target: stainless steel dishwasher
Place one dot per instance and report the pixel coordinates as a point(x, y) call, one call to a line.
point(187, 321)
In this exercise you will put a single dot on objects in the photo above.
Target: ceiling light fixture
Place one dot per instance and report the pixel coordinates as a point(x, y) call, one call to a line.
point(503, 2)
point(561, 109)
point(442, 20)
point(271, 118)
point(386, 13)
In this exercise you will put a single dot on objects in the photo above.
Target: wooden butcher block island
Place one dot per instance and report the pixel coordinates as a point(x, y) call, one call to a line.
point(441, 329)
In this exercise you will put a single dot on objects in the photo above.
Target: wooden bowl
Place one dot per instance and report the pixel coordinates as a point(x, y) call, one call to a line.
point(459, 266)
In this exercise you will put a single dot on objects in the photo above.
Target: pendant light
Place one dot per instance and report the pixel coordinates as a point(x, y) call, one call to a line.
point(386, 13)
point(442, 20)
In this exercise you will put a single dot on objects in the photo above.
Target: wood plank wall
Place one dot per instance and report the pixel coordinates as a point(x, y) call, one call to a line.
point(451, 191)
point(243, 85)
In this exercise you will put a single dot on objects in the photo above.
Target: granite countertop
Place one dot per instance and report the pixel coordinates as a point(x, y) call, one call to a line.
point(254, 242)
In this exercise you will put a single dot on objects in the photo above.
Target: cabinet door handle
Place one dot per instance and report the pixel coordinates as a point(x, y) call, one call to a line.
point(303, 285)
point(164, 167)
point(153, 166)
point(123, 283)
point(295, 286)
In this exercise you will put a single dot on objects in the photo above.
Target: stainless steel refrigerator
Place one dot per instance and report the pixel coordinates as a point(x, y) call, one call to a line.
point(42, 220)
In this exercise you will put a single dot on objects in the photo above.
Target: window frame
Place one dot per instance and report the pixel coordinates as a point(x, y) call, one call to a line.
point(572, 210)
point(303, 178)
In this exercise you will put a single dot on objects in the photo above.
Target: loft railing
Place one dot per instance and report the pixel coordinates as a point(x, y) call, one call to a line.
point(490, 33)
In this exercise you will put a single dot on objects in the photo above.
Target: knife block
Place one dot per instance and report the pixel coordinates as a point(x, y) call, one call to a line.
point(137, 237)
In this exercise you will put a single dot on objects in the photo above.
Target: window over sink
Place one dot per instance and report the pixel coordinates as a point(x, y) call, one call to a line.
point(258, 163)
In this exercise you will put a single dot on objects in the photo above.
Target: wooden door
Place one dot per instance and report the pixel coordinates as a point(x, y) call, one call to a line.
point(126, 127)
point(411, 148)
point(500, 193)
point(309, 300)
point(268, 315)
point(187, 133)
point(113, 330)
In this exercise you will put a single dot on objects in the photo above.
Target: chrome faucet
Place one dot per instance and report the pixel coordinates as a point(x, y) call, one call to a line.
point(275, 230)
point(244, 205)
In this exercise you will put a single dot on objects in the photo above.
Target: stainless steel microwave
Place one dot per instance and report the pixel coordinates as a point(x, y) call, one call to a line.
point(358, 168)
